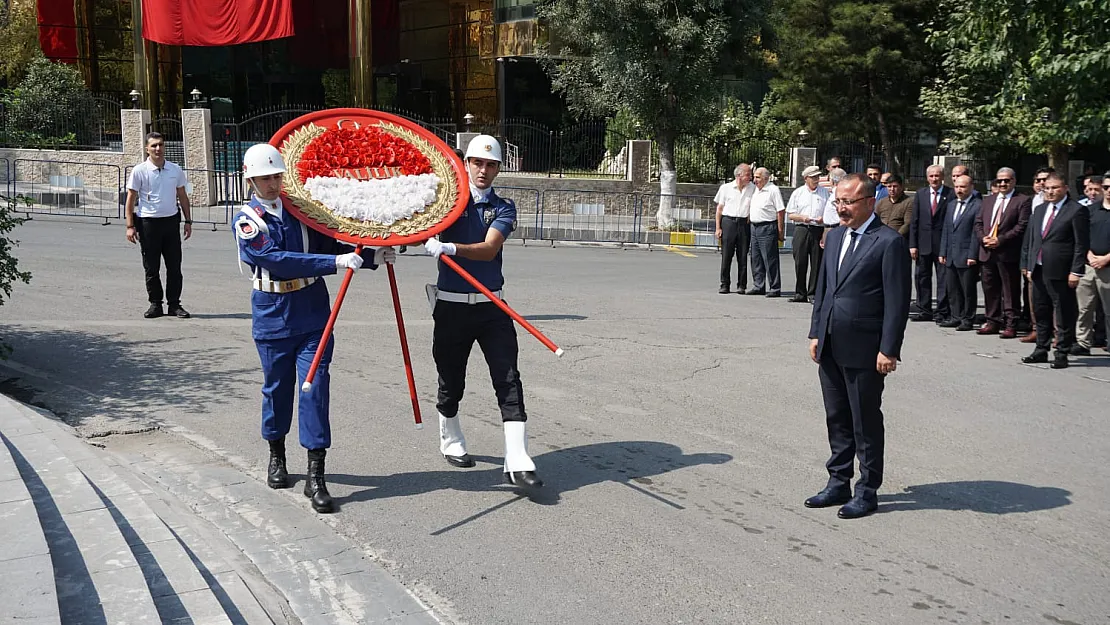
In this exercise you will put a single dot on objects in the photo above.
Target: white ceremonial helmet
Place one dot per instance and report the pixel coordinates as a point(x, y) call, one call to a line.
point(262, 159)
point(484, 146)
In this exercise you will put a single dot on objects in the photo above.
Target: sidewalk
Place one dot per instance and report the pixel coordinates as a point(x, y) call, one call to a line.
point(148, 528)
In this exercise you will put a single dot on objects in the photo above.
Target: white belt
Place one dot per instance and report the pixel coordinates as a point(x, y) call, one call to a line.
point(464, 298)
point(285, 286)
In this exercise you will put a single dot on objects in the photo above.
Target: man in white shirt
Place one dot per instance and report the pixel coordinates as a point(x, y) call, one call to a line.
point(806, 209)
point(768, 230)
point(155, 188)
point(733, 204)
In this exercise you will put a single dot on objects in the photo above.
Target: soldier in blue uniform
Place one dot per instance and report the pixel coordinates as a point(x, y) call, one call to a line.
point(289, 308)
point(463, 315)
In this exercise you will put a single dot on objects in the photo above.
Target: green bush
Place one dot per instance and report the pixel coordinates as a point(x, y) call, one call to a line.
point(50, 106)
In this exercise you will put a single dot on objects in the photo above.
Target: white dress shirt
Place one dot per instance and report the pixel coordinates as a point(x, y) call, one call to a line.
point(810, 204)
point(736, 201)
point(848, 239)
point(766, 204)
point(156, 188)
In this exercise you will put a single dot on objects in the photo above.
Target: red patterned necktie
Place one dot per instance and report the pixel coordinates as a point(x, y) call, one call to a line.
point(934, 202)
point(1044, 231)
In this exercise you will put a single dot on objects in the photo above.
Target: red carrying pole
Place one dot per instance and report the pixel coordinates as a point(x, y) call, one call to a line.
point(500, 304)
point(404, 347)
point(307, 386)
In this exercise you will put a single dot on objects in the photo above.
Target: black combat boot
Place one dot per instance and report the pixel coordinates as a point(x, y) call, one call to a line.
point(277, 475)
point(314, 486)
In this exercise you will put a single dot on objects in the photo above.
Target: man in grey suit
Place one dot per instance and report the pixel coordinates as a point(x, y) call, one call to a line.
point(856, 332)
point(959, 253)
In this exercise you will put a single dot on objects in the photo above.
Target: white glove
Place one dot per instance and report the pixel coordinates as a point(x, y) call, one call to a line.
point(348, 261)
point(435, 247)
point(383, 255)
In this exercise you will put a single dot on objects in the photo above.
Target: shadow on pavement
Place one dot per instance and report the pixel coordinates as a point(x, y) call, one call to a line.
point(115, 375)
point(987, 496)
point(563, 470)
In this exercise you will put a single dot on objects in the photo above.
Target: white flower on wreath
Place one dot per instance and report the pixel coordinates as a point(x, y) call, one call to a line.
point(380, 200)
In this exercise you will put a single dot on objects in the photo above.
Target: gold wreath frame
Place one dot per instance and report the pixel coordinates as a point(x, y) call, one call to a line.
point(295, 145)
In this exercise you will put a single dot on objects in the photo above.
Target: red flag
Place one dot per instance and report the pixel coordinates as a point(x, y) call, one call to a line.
point(216, 22)
point(57, 30)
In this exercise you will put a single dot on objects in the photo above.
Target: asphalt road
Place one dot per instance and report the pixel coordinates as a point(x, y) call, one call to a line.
point(678, 438)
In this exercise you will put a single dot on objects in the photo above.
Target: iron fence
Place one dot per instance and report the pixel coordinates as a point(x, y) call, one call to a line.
point(91, 123)
point(527, 202)
point(699, 159)
point(214, 194)
point(911, 156)
point(68, 188)
point(231, 138)
point(173, 137)
point(600, 216)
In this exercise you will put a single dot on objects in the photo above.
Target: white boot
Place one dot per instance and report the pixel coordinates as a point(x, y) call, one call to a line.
point(451, 439)
point(516, 448)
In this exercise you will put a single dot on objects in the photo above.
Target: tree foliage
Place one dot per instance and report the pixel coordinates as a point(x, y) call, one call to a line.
point(9, 265)
point(660, 60)
point(19, 38)
point(1031, 73)
point(854, 67)
point(49, 106)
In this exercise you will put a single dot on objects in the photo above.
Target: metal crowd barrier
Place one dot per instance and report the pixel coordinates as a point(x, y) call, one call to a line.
point(598, 216)
point(68, 188)
point(214, 194)
point(527, 205)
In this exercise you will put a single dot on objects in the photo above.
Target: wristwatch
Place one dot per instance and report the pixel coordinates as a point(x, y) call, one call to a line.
point(189, 222)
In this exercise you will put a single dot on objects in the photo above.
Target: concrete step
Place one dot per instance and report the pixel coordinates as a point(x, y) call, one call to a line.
point(325, 577)
point(96, 575)
point(179, 591)
point(28, 593)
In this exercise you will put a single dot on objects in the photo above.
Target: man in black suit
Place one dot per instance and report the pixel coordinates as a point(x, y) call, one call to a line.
point(856, 332)
point(1054, 258)
point(1000, 229)
point(959, 253)
point(926, 227)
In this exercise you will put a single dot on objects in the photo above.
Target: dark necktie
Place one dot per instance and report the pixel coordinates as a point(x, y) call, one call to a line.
point(934, 202)
point(1048, 224)
point(848, 254)
point(959, 210)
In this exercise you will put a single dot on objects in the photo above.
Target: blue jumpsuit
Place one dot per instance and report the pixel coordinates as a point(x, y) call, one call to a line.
point(287, 327)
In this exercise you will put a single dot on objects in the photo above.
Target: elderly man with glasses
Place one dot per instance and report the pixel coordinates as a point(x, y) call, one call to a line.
point(1000, 229)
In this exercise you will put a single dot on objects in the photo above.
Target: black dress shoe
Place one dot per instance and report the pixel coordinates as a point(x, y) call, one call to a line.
point(922, 317)
point(1079, 350)
point(1060, 362)
point(965, 327)
point(755, 292)
point(155, 310)
point(528, 479)
point(829, 497)
point(723, 290)
point(799, 299)
point(858, 507)
point(179, 312)
point(950, 323)
point(1038, 356)
point(463, 462)
point(774, 294)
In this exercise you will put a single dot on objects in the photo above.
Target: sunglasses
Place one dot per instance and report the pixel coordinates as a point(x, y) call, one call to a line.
point(1040, 179)
point(1106, 186)
point(1005, 181)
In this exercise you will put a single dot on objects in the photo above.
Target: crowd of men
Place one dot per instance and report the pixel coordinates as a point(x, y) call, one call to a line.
point(1041, 260)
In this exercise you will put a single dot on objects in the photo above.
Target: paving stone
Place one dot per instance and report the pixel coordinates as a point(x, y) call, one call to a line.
point(336, 618)
point(168, 569)
point(102, 546)
point(125, 597)
point(259, 548)
point(23, 535)
point(67, 486)
point(306, 596)
point(27, 592)
point(195, 607)
point(244, 606)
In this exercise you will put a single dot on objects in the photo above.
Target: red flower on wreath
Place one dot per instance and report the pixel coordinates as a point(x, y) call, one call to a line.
point(358, 148)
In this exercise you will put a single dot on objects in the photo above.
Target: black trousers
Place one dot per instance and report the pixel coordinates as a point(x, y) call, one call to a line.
point(734, 242)
point(854, 417)
point(1001, 297)
point(807, 258)
point(923, 277)
point(160, 238)
point(1054, 297)
point(963, 296)
point(457, 327)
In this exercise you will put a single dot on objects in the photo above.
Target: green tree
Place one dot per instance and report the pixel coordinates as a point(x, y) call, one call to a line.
point(19, 38)
point(9, 265)
point(854, 67)
point(1035, 74)
point(659, 60)
point(50, 106)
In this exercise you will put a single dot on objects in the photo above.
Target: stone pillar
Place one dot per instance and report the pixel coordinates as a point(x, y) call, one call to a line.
point(639, 163)
point(134, 123)
point(947, 162)
point(1075, 170)
point(196, 126)
point(800, 158)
